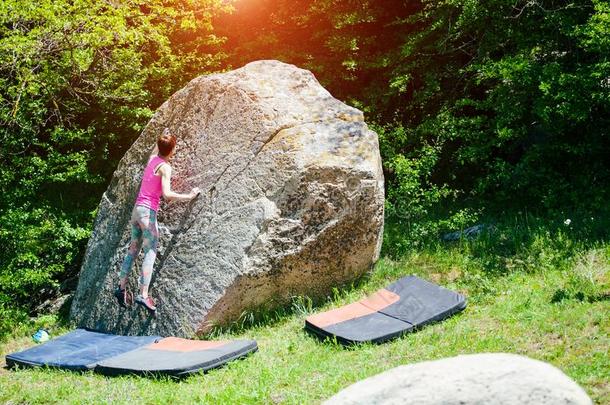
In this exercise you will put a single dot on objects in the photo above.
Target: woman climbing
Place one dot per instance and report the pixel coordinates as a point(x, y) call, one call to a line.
point(156, 181)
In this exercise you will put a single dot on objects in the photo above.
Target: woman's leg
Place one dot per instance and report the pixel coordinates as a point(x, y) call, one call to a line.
point(132, 253)
point(150, 236)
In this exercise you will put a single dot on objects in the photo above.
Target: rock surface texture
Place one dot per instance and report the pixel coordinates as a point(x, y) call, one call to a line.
point(292, 204)
point(491, 378)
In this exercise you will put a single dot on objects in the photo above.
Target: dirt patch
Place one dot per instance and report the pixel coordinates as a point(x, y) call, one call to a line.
point(443, 277)
point(601, 391)
point(454, 274)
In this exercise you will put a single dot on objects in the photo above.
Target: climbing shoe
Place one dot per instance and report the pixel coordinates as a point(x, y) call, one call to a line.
point(147, 303)
point(124, 297)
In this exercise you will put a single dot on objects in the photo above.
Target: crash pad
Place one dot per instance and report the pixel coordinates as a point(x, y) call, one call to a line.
point(177, 357)
point(78, 350)
point(113, 354)
point(403, 306)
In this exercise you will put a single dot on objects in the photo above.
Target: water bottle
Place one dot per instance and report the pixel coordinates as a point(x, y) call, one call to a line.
point(40, 336)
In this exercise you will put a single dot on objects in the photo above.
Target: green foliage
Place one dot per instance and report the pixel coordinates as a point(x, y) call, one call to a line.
point(78, 81)
point(417, 207)
point(38, 247)
point(10, 317)
point(348, 45)
point(514, 96)
point(411, 193)
point(589, 279)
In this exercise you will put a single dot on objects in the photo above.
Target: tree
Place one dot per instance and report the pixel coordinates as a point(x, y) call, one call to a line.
point(78, 81)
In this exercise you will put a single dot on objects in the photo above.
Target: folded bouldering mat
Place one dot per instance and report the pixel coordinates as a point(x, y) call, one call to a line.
point(177, 357)
point(78, 350)
point(113, 354)
point(404, 305)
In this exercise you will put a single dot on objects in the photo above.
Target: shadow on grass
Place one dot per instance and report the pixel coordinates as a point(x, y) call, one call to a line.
point(275, 313)
point(510, 240)
point(157, 376)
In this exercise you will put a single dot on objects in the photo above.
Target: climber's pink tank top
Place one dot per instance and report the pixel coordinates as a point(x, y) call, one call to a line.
point(150, 190)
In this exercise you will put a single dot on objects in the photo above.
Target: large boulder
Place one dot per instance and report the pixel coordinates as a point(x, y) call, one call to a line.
point(292, 204)
point(490, 378)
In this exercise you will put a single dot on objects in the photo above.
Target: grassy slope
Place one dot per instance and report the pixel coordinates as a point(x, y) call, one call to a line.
point(546, 299)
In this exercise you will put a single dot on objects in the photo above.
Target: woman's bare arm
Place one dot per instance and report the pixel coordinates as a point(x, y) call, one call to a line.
point(168, 194)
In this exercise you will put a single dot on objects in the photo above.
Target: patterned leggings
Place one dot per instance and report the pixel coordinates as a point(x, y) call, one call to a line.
point(144, 234)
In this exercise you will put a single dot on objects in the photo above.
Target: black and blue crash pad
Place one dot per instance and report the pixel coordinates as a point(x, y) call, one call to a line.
point(403, 306)
point(78, 350)
point(112, 354)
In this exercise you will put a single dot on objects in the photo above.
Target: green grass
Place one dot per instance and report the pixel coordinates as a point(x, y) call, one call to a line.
point(534, 292)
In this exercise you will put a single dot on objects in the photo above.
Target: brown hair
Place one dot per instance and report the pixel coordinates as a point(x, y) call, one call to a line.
point(166, 143)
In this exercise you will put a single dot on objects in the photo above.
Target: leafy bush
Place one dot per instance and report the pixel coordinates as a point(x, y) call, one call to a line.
point(78, 81)
point(418, 209)
point(513, 97)
point(38, 247)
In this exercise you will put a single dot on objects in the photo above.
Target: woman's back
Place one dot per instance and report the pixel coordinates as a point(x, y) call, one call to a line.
point(150, 189)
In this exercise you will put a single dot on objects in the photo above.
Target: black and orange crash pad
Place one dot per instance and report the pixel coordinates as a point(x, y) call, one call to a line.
point(176, 356)
point(403, 306)
point(112, 354)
